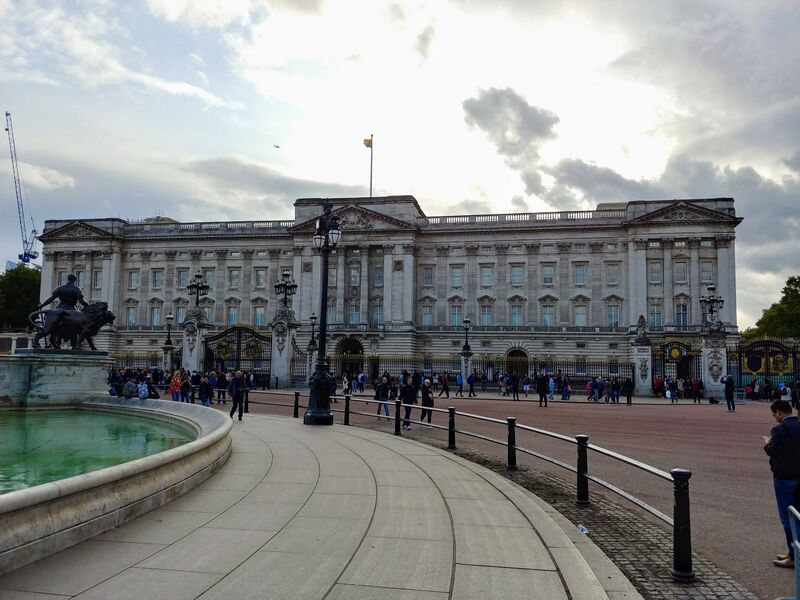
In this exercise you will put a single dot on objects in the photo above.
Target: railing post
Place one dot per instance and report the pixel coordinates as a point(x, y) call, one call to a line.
point(682, 529)
point(296, 411)
point(397, 405)
point(451, 427)
point(512, 442)
point(583, 469)
point(347, 408)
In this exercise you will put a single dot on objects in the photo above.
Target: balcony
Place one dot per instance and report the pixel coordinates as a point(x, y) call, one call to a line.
point(544, 218)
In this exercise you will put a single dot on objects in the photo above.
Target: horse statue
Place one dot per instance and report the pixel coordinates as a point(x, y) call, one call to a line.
point(60, 324)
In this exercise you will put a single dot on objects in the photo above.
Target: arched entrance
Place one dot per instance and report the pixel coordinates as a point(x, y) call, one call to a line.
point(517, 362)
point(349, 357)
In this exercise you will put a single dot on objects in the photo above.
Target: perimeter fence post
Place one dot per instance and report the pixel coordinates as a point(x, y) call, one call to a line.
point(397, 405)
point(296, 410)
point(682, 529)
point(512, 442)
point(451, 427)
point(583, 469)
point(347, 408)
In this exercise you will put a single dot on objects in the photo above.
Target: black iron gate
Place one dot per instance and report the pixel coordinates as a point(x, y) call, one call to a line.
point(676, 360)
point(298, 365)
point(240, 349)
point(769, 361)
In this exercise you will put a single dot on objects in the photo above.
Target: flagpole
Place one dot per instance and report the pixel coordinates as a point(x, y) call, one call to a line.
point(370, 164)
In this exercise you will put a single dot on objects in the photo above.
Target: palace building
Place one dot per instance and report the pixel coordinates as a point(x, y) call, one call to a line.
point(570, 283)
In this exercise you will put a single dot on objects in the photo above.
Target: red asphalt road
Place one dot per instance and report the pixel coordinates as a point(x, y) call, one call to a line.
point(734, 519)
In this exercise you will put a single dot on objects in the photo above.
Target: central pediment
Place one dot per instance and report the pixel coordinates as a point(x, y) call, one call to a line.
point(683, 212)
point(75, 230)
point(358, 219)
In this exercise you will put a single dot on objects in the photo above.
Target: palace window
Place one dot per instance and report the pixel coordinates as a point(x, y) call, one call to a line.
point(456, 276)
point(612, 274)
point(155, 315)
point(234, 276)
point(682, 272)
point(232, 316)
point(427, 315)
point(581, 311)
point(487, 276)
point(378, 277)
point(548, 274)
point(581, 274)
point(331, 310)
point(180, 313)
point(208, 276)
point(354, 314)
point(62, 278)
point(427, 276)
point(655, 271)
point(517, 275)
point(79, 278)
point(613, 315)
point(516, 315)
point(377, 314)
point(681, 315)
point(259, 315)
point(654, 312)
point(456, 315)
point(261, 278)
point(548, 315)
point(486, 315)
point(133, 280)
point(706, 271)
point(158, 278)
point(355, 275)
point(97, 279)
point(130, 315)
point(183, 278)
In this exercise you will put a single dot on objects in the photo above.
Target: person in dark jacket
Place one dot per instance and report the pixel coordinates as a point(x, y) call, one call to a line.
point(627, 389)
point(729, 390)
point(783, 449)
point(236, 390)
point(382, 393)
point(205, 391)
point(408, 395)
point(542, 388)
point(427, 400)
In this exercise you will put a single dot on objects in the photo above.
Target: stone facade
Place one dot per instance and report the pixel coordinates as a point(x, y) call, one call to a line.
point(565, 283)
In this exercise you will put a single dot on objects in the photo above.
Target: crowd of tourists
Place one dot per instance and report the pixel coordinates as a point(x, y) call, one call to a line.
point(679, 388)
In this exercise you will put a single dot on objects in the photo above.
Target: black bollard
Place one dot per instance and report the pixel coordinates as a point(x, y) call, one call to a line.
point(347, 408)
point(296, 411)
point(451, 427)
point(682, 529)
point(397, 405)
point(512, 443)
point(583, 469)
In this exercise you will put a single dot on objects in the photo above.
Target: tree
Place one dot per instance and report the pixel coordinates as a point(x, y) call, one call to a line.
point(19, 296)
point(782, 319)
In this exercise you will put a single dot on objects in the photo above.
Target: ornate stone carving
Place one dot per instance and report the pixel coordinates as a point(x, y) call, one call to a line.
point(472, 249)
point(501, 248)
point(641, 332)
point(170, 254)
point(355, 222)
point(564, 246)
point(715, 365)
point(145, 254)
point(248, 253)
point(409, 248)
point(532, 248)
point(196, 254)
point(388, 248)
point(644, 369)
point(274, 252)
point(280, 331)
point(297, 250)
point(694, 242)
point(597, 246)
point(398, 266)
point(442, 250)
point(307, 266)
point(640, 244)
point(221, 254)
point(722, 241)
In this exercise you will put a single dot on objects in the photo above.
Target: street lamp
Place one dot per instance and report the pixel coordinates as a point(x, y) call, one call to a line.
point(326, 236)
point(168, 344)
point(713, 305)
point(198, 288)
point(285, 286)
point(170, 318)
point(313, 319)
point(466, 351)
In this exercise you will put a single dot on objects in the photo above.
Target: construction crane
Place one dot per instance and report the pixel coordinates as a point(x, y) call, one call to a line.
point(28, 239)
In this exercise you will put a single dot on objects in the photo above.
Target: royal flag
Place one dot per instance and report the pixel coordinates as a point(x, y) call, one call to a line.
point(368, 142)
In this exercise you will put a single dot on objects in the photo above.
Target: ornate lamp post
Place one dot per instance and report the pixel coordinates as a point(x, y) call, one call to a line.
point(313, 342)
point(325, 239)
point(168, 344)
point(466, 351)
point(713, 305)
point(198, 288)
point(285, 286)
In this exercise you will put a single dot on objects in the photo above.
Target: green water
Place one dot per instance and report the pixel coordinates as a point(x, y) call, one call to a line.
point(38, 446)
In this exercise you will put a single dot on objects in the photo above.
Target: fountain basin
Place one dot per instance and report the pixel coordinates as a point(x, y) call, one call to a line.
point(41, 520)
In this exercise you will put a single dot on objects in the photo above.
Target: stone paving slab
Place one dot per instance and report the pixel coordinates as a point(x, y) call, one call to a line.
point(331, 513)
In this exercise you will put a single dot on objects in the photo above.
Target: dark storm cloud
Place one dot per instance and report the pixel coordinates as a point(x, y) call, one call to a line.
point(518, 204)
point(793, 162)
point(601, 184)
point(424, 41)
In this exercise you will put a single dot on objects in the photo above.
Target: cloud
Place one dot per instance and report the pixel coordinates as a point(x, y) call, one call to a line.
point(43, 177)
point(518, 204)
point(470, 207)
point(793, 162)
point(424, 41)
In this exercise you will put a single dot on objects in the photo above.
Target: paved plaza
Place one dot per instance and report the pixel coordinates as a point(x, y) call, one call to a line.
point(333, 512)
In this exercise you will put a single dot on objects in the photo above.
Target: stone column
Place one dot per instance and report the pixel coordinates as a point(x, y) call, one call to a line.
point(48, 275)
point(694, 278)
point(638, 280)
point(246, 287)
point(316, 280)
point(441, 284)
point(502, 283)
point(714, 357)
point(532, 283)
point(88, 286)
point(408, 283)
point(340, 283)
point(730, 298)
point(284, 329)
point(723, 283)
point(219, 287)
point(363, 301)
point(669, 291)
point(144, 288)
point(564, 284)
point(297, 275)
point(388, 271)
point(112, 282)
point(273, 275)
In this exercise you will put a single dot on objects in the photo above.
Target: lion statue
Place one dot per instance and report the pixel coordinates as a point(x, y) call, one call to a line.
point(59, 325)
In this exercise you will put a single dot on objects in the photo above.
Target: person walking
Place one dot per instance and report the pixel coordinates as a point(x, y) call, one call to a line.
point(514, 387)
point(445, 385)
point(408, 396)
point(471, 383)
point(627, 389)
point(205, 391)
point(175, 387)
point(236, 390)
point(186, 388)
point(729, 390)
point(484, 381)
point(783, 448)
point(427, 401)
point(382, 397)
point(222, 386)
point(460, 384)
point(542, 388)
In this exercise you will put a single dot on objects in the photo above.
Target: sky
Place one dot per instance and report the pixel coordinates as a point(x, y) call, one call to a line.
point(232, 109)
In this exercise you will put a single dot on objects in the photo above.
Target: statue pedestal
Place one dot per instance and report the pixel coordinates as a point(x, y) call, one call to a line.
point(43, 377)
point(642, 356)
point(284, 328)
point(714, 360)
point(193, 326)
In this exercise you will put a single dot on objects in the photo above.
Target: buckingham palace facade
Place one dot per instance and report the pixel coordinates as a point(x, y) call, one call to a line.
point(401, 282)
